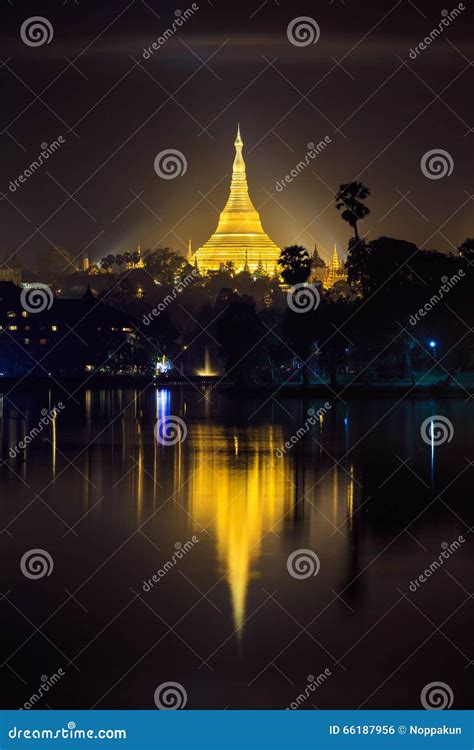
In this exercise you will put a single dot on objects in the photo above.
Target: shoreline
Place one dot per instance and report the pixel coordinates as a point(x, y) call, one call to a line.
point(291, 389)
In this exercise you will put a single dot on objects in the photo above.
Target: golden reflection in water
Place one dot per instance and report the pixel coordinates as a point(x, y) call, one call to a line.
point(238, 491)
point(350, 497)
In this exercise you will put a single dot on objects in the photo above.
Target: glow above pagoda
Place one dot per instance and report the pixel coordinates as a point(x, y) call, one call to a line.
point(239, 237)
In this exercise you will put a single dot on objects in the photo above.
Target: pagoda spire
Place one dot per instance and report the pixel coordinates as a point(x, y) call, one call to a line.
point(239, 237)
point(239, 166)
point(190, 256)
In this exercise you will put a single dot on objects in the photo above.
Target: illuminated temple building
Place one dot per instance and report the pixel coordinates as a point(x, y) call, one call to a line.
point(239, 237)
point(334, 272)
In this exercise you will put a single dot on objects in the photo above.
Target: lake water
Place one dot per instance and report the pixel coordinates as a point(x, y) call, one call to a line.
point(215, 518)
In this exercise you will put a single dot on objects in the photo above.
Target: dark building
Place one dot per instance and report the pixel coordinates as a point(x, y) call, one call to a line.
point(71, 338)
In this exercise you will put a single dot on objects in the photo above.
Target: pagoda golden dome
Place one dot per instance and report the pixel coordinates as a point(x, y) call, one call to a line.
point(239, 237)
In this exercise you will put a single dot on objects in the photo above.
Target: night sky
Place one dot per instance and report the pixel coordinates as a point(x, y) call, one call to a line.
point(232, 61)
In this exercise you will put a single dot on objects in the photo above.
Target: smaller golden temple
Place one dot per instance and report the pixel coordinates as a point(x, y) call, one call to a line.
point(239, 238)
point(335, 271)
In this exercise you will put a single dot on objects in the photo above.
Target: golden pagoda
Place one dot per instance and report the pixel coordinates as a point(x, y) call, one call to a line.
point(335, 271)
point(239, 237)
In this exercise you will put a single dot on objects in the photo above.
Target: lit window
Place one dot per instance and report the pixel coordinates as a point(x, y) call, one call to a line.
point(54, 328)
point(127, 330)
point(24, 314)
point(13, 328)
point(27, 341)
point(11, 314)
point(43, 342)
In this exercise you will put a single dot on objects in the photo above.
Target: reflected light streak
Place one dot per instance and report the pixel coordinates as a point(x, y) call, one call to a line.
point(239, 498)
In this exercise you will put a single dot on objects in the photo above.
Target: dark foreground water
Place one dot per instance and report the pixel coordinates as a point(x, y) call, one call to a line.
point(215, 519)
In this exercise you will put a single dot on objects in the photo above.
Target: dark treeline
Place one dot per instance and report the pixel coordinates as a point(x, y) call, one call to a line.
point(403, 315)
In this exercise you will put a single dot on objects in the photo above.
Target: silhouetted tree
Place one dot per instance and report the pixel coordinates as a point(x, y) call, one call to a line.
point(357, 265)
point(239, 331)
point(349, 201)
point(466, 249)
point(54, 261)
point(163, 264)
point(295, 264)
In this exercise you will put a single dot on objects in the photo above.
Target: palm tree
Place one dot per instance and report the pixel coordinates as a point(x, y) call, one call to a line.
point(348, 199)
